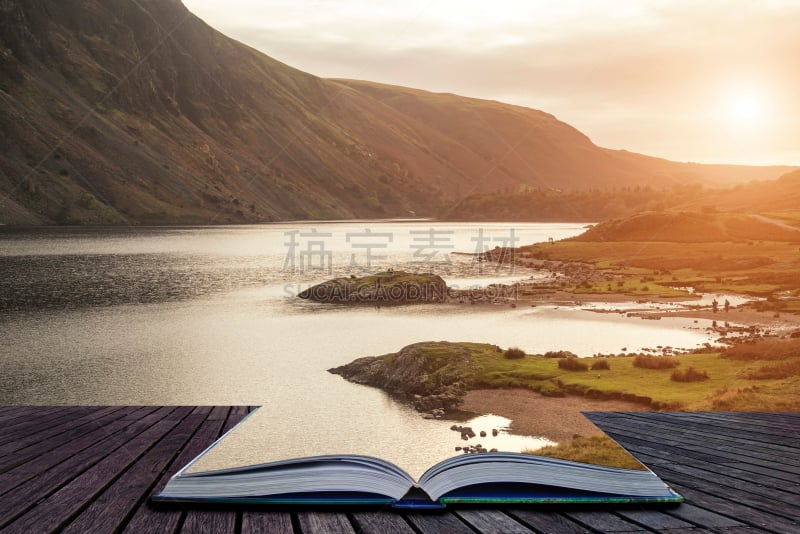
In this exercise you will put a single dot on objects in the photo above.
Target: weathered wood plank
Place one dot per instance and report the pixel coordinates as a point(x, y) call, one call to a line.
point(109, 510)
point(381, 522)
point(654, 519)
point(788, 488)
point(220, 413)
point(149, 519)
point(602, 521)
point(27, 427)
point(765, 422)
point(690, 426)
point(235, 415)
point(737, 530)
point(699, 516)
point(546, 521)
point(721, 476)
point(32, 418)
point(710, 449)
point(438, 523)
point(69, 467)
point(51, 435)
point(61, 506)
point(492, 522)
point(315, 522)
point(671, 435)
point(39, 447)
point(110, 479)
point(267, 523)
point(732, 509)
point(210, 522)
point(228, 421)
point(707, 449)
point(731, 433)
point(769, 424)
point(688, 478)
point(11, 478)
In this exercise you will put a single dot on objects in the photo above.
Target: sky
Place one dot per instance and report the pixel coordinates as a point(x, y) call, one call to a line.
point(713, 81)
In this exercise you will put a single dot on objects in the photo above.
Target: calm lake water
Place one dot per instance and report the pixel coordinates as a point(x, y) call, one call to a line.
point(208, 315)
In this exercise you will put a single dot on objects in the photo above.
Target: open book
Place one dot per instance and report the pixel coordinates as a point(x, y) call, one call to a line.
point(246, 466)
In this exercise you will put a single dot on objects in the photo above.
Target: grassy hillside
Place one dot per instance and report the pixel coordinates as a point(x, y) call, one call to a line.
point(116, 111)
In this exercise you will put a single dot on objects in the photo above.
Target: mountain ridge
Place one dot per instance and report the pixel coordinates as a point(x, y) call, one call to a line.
point(123, 112)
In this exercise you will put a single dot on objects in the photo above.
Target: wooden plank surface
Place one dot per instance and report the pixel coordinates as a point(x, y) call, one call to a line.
point(93, 469)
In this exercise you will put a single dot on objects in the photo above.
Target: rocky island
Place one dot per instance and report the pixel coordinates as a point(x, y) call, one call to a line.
point(432, 376)
point(390, 287)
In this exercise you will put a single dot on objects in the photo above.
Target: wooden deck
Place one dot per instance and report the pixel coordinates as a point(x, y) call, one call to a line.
point(92, 469)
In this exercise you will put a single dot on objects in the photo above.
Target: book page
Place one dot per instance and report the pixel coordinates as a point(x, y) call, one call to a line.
point(269, 436)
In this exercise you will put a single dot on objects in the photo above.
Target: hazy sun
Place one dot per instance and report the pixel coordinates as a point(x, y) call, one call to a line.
point(745, 107)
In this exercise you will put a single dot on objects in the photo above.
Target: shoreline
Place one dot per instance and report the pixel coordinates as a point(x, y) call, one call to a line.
point(533, 414)
point(740, 315)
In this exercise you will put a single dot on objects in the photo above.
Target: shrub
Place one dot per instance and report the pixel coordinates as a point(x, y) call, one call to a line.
point(655, 362)
point(572, 364)
point(764, 349)
point(771, 372)
point(560, 354)
point(688, 375)
point(514, 353)
point(87, 200)
point(601, 365)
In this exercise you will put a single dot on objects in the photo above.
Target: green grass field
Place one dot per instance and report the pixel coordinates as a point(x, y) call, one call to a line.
point(727, 388)
point(759, 268)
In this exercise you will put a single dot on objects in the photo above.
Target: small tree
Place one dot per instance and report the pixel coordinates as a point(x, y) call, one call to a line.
point(601, 365)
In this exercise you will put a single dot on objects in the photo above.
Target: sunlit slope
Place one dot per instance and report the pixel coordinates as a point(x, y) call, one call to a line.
point(528, 148)
point(692, 227)
point(773, 200)
point(139, 112)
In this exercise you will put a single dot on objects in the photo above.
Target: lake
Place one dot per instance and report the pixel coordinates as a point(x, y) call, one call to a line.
point(208, 315)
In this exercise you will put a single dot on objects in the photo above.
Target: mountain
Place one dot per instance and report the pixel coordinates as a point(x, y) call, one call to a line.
point(122, 111)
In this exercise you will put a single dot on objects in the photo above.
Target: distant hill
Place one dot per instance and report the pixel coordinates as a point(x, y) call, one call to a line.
point(116, 111)
point(778, 195)
point(573, 205)
point(692, 227)
point(779, 199)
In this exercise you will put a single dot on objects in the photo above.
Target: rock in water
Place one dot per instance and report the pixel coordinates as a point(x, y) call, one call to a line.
point(390, 287)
